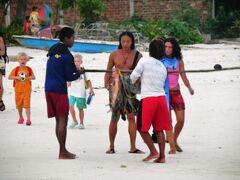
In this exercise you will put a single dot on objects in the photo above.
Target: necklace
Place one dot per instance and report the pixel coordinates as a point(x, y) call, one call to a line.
point(125, 58)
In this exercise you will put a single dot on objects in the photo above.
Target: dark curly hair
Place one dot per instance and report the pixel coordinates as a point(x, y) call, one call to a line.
point(130, 35)
point(176, 48)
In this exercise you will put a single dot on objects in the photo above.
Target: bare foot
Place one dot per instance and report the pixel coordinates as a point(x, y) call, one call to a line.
point(150, 157)
point(67, 155)
point(172, 151)
point(110, 151)
point(160, 160)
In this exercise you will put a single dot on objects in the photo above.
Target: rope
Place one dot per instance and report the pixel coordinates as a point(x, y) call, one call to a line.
point(186, 71)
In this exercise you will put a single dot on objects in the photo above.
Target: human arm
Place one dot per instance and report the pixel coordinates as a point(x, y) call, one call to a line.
point(184, 77)
point(137, 72)
point(32, 76)
point(2, 47)
point(12, 75)
point(107, 76)
point(90, 87)
point(71, 72)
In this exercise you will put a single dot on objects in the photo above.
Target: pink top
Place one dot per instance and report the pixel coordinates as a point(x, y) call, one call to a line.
point(173, 78)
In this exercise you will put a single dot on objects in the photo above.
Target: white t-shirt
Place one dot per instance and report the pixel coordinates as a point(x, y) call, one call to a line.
point(153, 75)
point(77, 88)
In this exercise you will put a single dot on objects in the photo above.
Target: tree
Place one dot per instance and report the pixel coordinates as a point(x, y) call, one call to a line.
point(63, 5)
point(4, 4)
point(91, 10)
point(21, 8)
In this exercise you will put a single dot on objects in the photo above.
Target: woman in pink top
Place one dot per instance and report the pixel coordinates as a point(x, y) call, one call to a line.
point(173, 50)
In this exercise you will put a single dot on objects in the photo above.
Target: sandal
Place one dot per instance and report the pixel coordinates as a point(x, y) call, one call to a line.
point(2, 106)
point(110, 151)
point(178, 148)
point(136, 151)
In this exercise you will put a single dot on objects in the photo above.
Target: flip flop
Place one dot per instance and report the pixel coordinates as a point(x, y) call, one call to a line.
point(110, 151)
point(136, 151)
point(2, 106)
point(178, 148)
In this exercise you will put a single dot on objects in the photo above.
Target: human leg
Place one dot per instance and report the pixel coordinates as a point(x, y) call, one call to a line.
point(73, 114)
point(61, 133)
point(28, 116)
point(180, 116)
point(81, 105)
point(2, 106)
point(112, 134)
point(81, 115)
point(74, 123)
point(161, 144)
point(148, 141)
point(21, 120)
point(132, 130)
point(1, 86)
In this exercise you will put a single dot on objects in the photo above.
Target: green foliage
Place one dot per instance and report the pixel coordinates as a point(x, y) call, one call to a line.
point(227, 24)
point(183, 11)
point(65, 4)
point(15, 28)
point(91, 10)
point(208, 25)
point(234, 30)
point(185, 33)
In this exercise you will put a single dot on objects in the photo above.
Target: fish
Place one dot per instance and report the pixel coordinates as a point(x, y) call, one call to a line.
point(122, 100)
point(115, 87)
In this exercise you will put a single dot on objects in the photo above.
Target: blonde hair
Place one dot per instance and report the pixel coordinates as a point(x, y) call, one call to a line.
point(78, 56)
point(22, 54)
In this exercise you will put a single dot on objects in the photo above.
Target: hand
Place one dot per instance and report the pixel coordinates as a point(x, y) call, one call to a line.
point(81, 70)
point(92, 92)
point(18, 78)
point(68, 84)
point(107, 87)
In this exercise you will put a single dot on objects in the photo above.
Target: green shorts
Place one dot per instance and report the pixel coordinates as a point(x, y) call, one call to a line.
point(80, 102)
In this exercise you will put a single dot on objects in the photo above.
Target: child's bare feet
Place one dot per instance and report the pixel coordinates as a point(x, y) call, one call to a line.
point(67, 155)
point(150, 157)
point(160, 160)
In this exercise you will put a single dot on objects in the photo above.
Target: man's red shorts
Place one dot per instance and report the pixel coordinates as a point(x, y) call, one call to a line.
point(57, 105)
point(153, 111)
point(176, 100)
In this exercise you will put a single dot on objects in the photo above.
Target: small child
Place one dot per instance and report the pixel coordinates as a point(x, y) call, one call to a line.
point(27, 26)
point(34, 19)
point(77, 94)
point(22, 76)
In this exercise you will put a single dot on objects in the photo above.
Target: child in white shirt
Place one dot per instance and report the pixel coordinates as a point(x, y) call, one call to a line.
point(77, 94)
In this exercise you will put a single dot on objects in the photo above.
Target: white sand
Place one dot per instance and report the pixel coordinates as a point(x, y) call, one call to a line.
point(210, 138)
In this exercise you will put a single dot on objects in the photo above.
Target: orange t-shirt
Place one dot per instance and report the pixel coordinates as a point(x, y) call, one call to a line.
point(23, 85)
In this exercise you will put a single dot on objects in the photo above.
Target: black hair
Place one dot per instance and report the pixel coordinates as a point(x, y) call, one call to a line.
point(156, 49)
point(34, 8)
point(130, 35)
point(66, 32)
point(5, 56)
point(27, 18)
point(176, 48)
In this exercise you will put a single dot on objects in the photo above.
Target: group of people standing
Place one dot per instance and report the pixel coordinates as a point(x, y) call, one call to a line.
point(162, 68)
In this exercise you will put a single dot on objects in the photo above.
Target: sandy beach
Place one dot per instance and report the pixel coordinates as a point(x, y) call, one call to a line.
point(210, 138)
